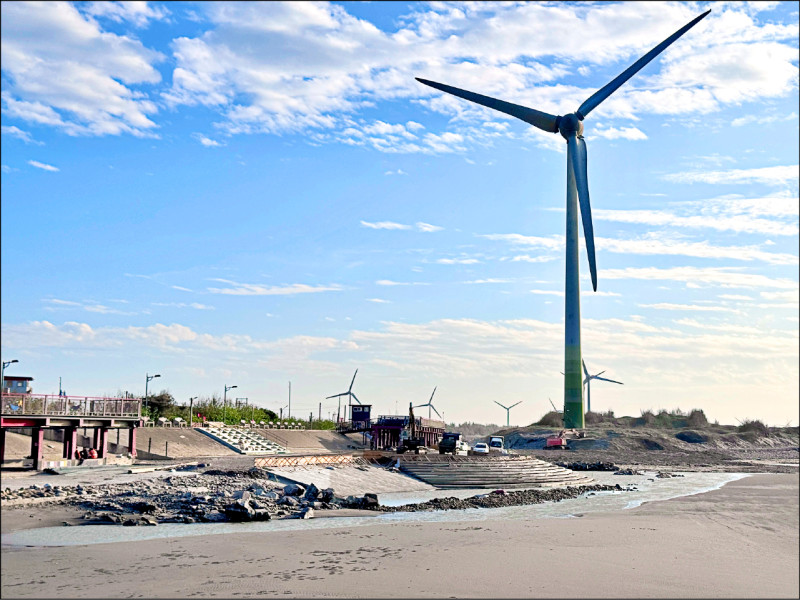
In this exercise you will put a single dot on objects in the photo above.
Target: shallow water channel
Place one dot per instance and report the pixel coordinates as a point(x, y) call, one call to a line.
point(649, 489)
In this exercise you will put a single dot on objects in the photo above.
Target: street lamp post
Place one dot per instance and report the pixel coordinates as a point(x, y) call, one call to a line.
point(191, 411)
point(3, 372)
point(225, 400)
point(148, 379)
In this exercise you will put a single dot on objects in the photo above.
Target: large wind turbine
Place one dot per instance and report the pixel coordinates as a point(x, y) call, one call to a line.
point(570, 126)
point(587, 383)
point(349, 393)
point(508, 410)
point(430, 406)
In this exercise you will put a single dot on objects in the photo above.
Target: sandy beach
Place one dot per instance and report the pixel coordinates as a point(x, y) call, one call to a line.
point(737, 541)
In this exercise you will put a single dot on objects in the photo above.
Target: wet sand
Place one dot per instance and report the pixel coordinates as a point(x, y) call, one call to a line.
point(738, 541)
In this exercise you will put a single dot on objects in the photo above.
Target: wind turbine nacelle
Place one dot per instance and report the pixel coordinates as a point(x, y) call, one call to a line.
point(569, 125)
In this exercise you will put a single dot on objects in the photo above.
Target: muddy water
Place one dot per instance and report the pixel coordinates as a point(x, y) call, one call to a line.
point(649, 489)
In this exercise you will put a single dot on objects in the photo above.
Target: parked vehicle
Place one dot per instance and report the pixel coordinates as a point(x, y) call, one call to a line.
point(480, 448)
point(497, 445)
point(449, 443)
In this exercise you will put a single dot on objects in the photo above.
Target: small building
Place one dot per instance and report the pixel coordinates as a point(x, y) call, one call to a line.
point(386, 430)
point(15, 384)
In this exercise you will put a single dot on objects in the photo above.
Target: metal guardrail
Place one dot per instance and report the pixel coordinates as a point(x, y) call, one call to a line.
point(68, 406)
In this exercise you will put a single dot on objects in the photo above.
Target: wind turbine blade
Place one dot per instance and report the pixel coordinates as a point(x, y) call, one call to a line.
point(436, 411)
point(498, 404)
point(354, 397)
point(434, 391)
point(595, 99)
point(354, 380)
point(537, 118)
point(600, 373)
point(585, 370)
point(513, 405)
point(576, 148)
point(336, 396)
point(611, 380)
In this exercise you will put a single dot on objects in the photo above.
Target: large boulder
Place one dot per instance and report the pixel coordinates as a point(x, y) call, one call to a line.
point(327, 495)
point(294, 489)
point(312, 493)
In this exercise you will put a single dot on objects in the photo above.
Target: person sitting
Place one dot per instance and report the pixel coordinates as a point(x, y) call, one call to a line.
point(83, 455)
point(92, 453)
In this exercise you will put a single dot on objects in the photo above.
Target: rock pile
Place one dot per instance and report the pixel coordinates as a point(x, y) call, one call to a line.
point(211, 496)
point(583, 466)
point(501, 498)
point(244, 496)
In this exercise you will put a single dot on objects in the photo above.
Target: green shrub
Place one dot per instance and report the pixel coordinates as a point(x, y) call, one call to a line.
point(697, 418)
point(647, 419)
point(551, 419)
point(755, 427)
point(593, 418)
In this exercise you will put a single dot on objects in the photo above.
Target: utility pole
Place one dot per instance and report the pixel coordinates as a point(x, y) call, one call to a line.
point(320, 411)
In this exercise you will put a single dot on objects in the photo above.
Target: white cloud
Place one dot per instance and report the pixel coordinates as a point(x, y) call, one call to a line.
point(457, 261)
point(16, 132)
point(61, 69)
point(727, 277)
point(279, 67)
point(662, 245)
point(55, 304)
point(206, 141)
point(331, 63)
point(688, 307)
point(378, 300)
point(195, 305)
point(614, 133)
point(384, 225)
point(135, 12)
point(43, 166)
point(771, 215)
point(776, 176)
point(427, 227)
point(254, 289)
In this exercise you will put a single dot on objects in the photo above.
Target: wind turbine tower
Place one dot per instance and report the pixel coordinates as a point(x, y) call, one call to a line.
point(587, 383)
point(508, 411)
point(430, 406)
point(349, 393)
point(570, 127)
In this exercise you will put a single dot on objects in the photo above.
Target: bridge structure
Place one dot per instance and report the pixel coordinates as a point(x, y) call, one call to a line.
point(39, 412)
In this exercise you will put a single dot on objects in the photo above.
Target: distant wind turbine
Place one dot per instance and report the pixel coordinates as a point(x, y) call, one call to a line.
point(349, 393)
point(570, 126)
point(588, 381)
point(430, 406)
point(508, 410)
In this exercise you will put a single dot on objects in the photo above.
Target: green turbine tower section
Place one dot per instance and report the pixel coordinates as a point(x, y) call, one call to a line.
point(573, 377)
point(570, 126)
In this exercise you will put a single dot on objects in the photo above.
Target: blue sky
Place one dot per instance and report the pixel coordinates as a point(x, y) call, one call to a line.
point(251, 194)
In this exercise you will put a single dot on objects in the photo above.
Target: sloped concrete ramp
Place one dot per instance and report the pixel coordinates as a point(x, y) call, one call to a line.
point(311, 441)
point(353, 479)
point(449, 472)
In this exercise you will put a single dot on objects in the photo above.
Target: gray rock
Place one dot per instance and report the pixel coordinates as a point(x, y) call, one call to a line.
point(294, 489)
point(307, 513)
point(311, 493)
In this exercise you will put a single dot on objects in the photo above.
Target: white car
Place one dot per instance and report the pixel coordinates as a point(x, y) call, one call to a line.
point(480, 448)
